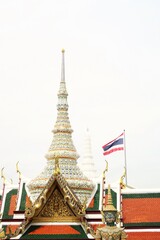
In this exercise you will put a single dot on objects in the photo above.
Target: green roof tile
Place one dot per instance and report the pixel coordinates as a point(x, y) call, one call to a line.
point(10, 204)
point(23, 199)
point(95, 200)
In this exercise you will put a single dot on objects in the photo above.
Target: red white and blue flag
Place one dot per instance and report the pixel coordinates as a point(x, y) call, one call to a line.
point(115, 145)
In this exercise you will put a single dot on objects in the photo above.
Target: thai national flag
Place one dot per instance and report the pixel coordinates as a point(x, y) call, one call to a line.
point(114, 145)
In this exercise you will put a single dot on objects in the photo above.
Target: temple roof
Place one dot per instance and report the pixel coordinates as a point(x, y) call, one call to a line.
point(56, 231)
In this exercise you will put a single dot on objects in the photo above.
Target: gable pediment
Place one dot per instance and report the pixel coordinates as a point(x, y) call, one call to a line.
point(56, 203)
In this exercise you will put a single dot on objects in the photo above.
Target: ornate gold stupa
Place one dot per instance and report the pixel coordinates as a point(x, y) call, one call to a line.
point(63, 149)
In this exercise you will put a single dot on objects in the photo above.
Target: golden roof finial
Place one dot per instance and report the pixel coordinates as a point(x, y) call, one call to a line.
point(2, 176)
point(63, 50)
point(109, 206)
point(18, 171)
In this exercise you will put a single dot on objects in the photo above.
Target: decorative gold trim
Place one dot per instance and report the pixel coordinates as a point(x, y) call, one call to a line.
point(88, 228)
point(30, 211)
point(57, 219)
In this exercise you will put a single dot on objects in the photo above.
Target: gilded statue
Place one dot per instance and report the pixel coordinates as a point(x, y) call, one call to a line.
point(110, 231)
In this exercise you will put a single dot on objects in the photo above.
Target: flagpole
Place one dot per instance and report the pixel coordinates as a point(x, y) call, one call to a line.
point(125, 160)
point(103, 184)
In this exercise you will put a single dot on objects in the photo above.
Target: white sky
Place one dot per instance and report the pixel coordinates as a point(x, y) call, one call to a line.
point(112, 75)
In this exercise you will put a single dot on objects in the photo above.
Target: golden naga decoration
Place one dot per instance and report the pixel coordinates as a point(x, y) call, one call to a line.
point(30, 211)
point(110, 231)
point(2, 176)
point(88, 228)
point(19, 230)
point(18, 171)
point(84, 205)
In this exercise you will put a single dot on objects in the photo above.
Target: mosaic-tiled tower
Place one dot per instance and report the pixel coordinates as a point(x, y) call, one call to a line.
point(62, 148)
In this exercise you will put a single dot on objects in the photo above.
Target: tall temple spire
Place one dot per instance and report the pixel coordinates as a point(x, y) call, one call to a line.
point(63, 67)
point(62, 145)
point(63, 149)
point(62, 94)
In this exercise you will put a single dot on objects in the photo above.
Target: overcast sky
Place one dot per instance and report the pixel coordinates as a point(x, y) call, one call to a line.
point(112, 63)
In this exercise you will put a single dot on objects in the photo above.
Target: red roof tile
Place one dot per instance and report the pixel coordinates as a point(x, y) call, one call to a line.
point(143, 236)
point(91, 205)
point(28, 201)
point(54, 229)
point(12, 206)
point(138, 210)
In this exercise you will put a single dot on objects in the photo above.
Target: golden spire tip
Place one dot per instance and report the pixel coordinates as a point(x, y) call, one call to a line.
point(63, 50)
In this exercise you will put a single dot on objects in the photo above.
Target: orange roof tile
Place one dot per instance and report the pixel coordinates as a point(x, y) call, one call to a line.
point(54, 229)
point(28, 201)
point(138, 210)
point(91, 205)
point(12, 206)
point(143, 235)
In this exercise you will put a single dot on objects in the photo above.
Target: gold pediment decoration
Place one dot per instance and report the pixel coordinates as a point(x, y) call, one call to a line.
point(56, 206)
point(57, 202)
point(56, 209)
